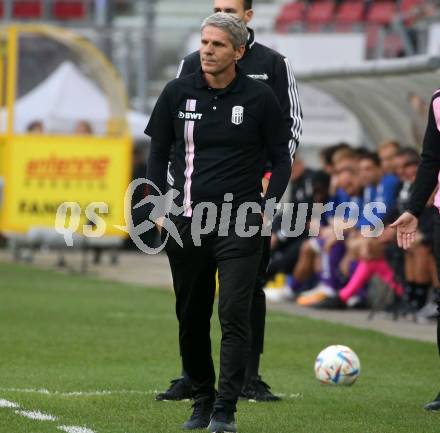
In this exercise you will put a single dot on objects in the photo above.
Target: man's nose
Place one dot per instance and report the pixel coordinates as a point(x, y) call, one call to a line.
point(208, 48)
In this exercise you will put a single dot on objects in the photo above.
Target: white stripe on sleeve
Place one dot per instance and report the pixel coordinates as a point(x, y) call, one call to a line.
point(179, 71)
point(295, 108)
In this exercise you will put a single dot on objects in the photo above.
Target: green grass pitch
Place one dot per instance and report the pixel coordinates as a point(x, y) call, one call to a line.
point(71, 334)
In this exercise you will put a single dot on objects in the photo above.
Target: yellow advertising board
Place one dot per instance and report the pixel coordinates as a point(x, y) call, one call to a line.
point(2, 175)
point(42, 172)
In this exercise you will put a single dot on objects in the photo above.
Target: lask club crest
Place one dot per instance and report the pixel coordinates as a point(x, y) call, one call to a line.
point(237, 115)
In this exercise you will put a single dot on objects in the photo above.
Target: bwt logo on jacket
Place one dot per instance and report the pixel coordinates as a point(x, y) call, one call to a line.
point(190, 116)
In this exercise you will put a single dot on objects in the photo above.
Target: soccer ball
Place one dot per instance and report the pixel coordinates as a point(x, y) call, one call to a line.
point(337, 365)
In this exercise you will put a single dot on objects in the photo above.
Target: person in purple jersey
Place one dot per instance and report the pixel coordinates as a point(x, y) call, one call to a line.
point(270, 67)
point(428, 177)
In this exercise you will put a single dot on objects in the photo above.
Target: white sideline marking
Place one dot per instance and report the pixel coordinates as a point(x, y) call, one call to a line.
point(26, 390)
point(98, 393)
point(78, 393)
point(36, 415)
point(74, 429)
point(8, 404)
point(106, 392)
point(39, 416)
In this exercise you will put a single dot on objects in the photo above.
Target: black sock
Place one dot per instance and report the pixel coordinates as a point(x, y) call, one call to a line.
point(253, 365)
point(417, 294)
point(411, 288)
point(420, 295)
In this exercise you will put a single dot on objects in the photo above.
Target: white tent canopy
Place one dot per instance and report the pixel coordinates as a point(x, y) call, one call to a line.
point(66, 97)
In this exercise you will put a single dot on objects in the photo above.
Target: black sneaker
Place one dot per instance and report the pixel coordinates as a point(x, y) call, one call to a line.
point(222, 421)
point(202, 411)
point(180, 389)
point(256, 389)
point(433, 405)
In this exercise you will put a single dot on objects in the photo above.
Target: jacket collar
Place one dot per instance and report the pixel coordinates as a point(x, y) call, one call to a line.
point(251, 39)
point(234, 87)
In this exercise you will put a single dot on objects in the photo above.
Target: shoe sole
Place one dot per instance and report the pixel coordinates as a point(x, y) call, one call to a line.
point(194, 428)
point(431, 410)
point(173, 399)
point(221, 430)
point(254, 400)
point(224, 431)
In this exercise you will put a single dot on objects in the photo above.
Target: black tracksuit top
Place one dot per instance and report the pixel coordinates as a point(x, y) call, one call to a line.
point(221, 139)
point(270, 67)
point(428, 172)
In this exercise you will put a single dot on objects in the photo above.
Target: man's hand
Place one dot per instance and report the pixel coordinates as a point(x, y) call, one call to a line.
point(406, 226)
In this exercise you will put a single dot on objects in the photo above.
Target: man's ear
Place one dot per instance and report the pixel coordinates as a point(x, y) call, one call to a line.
point(248, 15)
point(239, 52)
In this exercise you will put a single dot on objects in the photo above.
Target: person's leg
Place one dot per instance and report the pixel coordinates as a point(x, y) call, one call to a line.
point(258, 312)
point(360, 277)
point(191, 267)
point(409, 276)
point(336, 254)
point(180, 388)
point(383, 270)
point(324, 294)
point(364, 271)
point(435, 404)
point(236, 289)
point(422, 274)
point(254, 387)
point(305, 266)
point(238, 260)
point(434, 277)
point(437, 260)
point(418, 277)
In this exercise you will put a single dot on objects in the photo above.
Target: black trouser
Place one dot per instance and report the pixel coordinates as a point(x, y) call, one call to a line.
point(192, 268)
point(437, 260)
point(258, 308)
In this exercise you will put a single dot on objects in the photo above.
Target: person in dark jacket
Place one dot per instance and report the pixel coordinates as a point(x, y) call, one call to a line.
point(268, 66)
point(223, 125)
point(428, 176)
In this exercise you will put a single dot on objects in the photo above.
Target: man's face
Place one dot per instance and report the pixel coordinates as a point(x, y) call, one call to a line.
point(217, 53)
point(399, 162)
point(234, 7)
point(346, 176)
point(410, 171)
point(369, 172)
point(386, 156)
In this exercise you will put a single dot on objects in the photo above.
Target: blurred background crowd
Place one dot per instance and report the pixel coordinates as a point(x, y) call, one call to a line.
point(327, 272)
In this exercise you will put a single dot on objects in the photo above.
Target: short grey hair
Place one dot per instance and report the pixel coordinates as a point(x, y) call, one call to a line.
point(230, 24)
